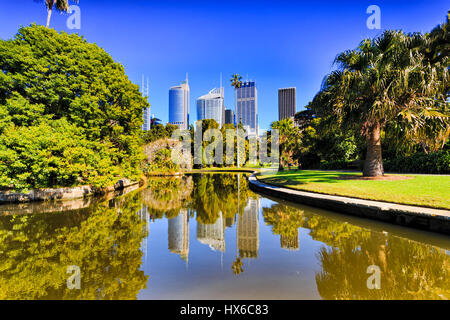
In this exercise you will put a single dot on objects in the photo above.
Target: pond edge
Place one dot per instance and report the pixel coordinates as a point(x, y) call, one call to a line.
point(434, 220)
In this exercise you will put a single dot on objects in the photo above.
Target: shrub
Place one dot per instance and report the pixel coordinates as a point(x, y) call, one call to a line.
point(437, 163)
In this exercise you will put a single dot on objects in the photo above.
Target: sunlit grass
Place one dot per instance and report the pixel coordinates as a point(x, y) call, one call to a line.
point(421, 190)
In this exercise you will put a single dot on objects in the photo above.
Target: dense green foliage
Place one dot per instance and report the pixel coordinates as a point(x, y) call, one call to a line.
point(437, 162)
point(68, 113)
point(158, 131)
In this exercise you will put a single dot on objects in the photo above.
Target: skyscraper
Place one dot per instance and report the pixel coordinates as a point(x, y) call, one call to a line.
point(247, 107)
point(211, 106)
point(179, 105)
point(286, 103)
point(229, 116)
point(146, 112)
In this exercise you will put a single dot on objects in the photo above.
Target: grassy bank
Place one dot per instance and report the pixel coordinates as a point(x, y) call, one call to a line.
point(420, 190)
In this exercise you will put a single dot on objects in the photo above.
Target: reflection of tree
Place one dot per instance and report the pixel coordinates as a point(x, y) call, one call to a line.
point(409, 270)
point(167, 196)
point(285, 221)
point(237, 266)
point(35, 251)
point(218, 193)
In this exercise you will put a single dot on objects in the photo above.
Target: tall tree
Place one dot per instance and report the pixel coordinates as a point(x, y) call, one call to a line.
point(236, 82)
point(385, 80)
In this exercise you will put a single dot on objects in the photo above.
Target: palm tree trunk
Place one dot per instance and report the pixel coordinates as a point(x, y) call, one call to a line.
point(373, 166)
point(49, 15)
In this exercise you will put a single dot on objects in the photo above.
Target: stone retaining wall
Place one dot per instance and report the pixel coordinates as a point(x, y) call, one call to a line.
point(60, 193)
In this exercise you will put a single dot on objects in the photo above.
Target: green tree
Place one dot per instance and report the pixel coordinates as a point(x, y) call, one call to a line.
point(289, 140)
point(385, 80)
point(55, 83)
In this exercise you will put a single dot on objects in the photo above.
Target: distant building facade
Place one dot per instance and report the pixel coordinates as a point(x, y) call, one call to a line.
point(229, 117)
point(146, 126)
point(211, 106)
point(179, 105)
point(247, 107)
point(146, 112)
point(287, 102)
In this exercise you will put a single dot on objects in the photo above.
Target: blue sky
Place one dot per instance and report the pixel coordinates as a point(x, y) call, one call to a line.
point(276, 43)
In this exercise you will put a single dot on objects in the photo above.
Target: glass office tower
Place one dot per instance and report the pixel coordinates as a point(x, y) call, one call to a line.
point(247, 107)
point(211, 106)
point(179, 105)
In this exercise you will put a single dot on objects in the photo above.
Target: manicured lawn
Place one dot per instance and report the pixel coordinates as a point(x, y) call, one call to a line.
point(421, 190)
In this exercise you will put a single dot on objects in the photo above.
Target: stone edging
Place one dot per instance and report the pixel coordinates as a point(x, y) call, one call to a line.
point(60, 193)
point(435, 220)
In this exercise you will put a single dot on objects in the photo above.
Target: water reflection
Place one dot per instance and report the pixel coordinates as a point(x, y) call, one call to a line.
point(132, 247)
point(35, 251)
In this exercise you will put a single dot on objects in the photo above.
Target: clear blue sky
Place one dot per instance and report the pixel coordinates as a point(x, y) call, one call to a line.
point(276, 43)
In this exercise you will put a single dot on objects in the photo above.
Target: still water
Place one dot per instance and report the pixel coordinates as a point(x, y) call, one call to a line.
point(209, 237)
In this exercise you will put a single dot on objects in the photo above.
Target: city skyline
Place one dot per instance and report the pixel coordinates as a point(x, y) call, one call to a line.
point(280, 52)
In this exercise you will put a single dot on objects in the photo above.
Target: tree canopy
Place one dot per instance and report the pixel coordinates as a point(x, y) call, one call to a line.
point(68, 113)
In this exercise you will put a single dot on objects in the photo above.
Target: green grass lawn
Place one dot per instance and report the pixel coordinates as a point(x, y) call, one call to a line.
point(421, 190)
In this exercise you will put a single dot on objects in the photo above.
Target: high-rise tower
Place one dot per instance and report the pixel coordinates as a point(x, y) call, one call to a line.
point(179, 105)
point(286, 103)
point(211, 106)
point(146, 112)
point(247, 107)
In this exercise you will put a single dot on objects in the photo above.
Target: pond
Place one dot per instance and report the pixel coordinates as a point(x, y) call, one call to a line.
point(207, 236)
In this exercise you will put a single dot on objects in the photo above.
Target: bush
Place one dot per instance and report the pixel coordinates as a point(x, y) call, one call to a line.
point(68, 113)
point(437, 163)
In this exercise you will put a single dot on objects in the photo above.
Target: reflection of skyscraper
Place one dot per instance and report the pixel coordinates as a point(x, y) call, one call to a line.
point(145, 216)
point(179, 105)
point(179, 235)
point(290, 243)
point(212, 234)
point(248, 230)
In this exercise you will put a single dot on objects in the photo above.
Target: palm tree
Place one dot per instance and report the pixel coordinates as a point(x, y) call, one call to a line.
point(236, 82)
point(384, 81)
point(61, 5)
